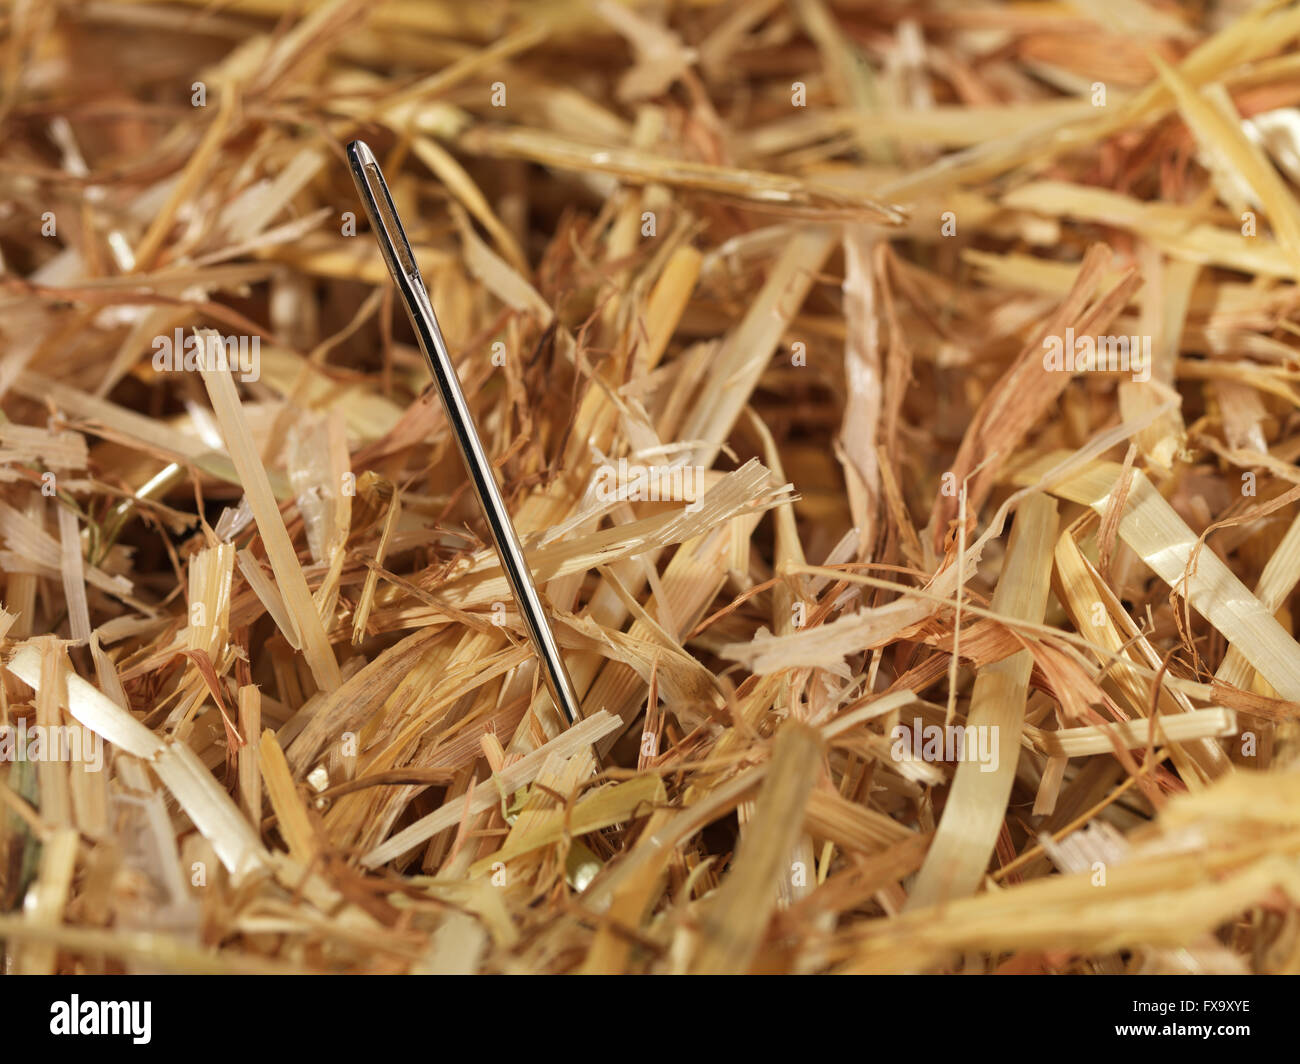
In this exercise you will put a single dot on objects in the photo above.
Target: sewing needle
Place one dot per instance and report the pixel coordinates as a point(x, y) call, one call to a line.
point(406, 275)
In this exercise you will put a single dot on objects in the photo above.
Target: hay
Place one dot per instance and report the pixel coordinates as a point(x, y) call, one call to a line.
point(754, 304)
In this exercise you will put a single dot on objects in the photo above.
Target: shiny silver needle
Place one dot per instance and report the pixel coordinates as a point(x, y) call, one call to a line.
point(406, 273)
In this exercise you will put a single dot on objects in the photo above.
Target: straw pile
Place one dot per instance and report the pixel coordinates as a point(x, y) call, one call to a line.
point(802, 262)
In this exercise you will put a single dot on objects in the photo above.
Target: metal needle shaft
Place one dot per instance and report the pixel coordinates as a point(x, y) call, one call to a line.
point(406, 274)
